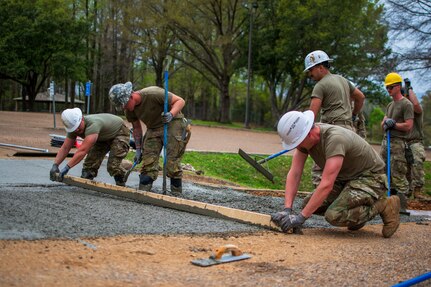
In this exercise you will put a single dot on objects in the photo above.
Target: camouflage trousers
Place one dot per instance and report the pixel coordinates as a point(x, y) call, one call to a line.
point(178, 137)
point(359, 126)
point(117, 148)
point(398, 164)
point(316, 171)
point(352, 202)
point(415, 171)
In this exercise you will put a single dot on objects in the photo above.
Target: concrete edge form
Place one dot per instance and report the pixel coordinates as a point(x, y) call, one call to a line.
point(254, 218)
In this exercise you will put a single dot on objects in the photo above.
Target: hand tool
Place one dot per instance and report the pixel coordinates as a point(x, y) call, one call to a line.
point(165, 134)
point(223, 254)
point(388, 160)
point(165, 126)
point(126, 176)
point(257, 164)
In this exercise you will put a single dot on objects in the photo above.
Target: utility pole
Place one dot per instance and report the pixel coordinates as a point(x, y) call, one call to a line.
point(249, 72)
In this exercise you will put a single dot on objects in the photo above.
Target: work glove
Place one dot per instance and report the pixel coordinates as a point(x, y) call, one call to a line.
point(277, 217)
point(53, 172)
point(167, 117)
point(63, 172)
point(389, 124)
point(292, 221)
point(138, 156)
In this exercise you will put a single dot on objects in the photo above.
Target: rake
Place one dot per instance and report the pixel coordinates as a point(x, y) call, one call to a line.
point(258, 164)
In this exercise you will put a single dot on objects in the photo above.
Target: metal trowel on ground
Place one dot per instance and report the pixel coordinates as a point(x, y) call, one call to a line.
point(225, 254)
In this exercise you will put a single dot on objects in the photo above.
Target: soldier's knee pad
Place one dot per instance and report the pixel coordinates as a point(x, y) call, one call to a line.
point(333, 217)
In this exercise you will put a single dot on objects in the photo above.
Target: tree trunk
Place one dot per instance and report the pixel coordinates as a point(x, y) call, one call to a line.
point(31, 89)
point(23, 97)
point(273, 99)
point(66, 91)
point(224, 100)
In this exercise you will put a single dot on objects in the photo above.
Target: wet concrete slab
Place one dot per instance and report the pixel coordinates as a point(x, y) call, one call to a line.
point(33, 207)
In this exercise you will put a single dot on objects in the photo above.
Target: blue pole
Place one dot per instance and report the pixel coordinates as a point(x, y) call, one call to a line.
point(88, 95)
point(273, 155)
point(388, 160)
point(165, 132)
point(414, 280)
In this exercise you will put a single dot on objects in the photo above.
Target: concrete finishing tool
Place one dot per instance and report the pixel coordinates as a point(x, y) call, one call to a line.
point(223, 254)
point(258, 164)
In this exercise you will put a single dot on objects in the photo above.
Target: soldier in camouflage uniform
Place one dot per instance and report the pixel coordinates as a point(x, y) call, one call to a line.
point(415, 168)
point(102, 133)
point(353, 186)
point(332, 97)
point(147, 105)
point(398, 121)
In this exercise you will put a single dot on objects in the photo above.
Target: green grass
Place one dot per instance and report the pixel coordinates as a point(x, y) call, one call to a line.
point(231, 167)
point(427, 186)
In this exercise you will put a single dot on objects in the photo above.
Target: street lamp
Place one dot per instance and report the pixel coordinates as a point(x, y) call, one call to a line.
point(247, 100)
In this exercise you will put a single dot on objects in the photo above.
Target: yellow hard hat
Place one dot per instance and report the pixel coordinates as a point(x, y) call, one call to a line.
point(393, 78)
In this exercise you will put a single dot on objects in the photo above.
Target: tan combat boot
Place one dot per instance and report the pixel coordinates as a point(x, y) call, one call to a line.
point(389, 210)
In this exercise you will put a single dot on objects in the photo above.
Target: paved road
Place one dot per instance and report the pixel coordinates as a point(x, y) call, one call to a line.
point(230, 140)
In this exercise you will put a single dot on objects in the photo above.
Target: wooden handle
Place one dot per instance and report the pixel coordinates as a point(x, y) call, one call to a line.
point(225, 249)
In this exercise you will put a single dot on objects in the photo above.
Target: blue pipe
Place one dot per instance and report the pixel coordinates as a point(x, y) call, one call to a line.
point(414, 280)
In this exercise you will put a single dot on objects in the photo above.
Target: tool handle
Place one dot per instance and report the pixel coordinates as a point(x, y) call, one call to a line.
point(126, 176)
point(225, 249)
point(165, 133)
point(388, 160)
point(272, 156)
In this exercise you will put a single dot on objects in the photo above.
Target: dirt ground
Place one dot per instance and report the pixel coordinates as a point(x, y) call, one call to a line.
point(320, 257)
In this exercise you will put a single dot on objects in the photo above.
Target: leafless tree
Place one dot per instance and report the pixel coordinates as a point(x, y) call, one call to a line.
point(410, 22)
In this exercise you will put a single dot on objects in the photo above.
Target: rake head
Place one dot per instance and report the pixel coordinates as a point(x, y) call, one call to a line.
point(256, 165)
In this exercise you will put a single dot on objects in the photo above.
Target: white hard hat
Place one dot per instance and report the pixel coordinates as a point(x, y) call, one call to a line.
point(314, 58)
point(71, 119)
point(293, 127)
